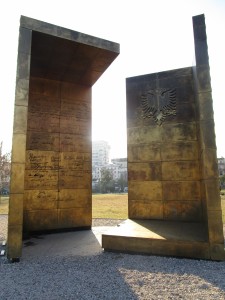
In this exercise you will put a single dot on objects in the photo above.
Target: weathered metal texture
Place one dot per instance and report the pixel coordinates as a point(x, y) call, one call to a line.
point(172, 163)
point(207, 142)
point(165, 183)
point(158, 238)
point(51, 153)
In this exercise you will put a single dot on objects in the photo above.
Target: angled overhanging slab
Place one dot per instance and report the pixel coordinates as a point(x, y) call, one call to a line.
point(62, 54)
point(52, 148)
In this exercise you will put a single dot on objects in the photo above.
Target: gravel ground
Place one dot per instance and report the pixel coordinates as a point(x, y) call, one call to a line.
point(112, 276)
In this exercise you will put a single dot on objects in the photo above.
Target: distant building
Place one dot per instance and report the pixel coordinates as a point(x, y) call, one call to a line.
point(100, 153)
point(221, 166)
point(118, 168)
point(100, 160)
point(121, 165)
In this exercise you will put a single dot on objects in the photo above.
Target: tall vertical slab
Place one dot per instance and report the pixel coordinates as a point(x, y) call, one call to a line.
point(52, 147)
point(207, 142)
point(173, 189)
point(163, 165)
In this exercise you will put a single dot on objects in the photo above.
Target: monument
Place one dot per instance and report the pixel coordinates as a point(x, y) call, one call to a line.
point(174, 205)
point(52, 146)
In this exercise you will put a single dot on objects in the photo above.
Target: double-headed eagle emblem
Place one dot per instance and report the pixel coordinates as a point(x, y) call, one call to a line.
point(158, 104)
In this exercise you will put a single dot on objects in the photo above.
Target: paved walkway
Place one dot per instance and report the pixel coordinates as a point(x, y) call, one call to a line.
point(95, 223)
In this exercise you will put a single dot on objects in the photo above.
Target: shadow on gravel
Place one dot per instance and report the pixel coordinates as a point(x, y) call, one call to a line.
point(73, 266)
point(199, 279)
point(84, 243)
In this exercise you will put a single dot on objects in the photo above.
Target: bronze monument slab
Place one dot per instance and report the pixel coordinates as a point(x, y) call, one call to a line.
point(174, 205)
point(52, 147)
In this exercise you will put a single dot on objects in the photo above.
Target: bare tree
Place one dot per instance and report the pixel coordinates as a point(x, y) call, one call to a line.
point(5, 166)
point(107, 182)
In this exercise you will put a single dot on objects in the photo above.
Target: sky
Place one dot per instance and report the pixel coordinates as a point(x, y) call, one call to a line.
point(154, 36)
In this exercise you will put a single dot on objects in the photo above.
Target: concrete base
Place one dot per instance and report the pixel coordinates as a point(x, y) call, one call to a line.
point(179, 239)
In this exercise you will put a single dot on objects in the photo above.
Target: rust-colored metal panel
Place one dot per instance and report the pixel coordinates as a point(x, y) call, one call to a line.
point(145, 171)
point(179, 132)
point(145, 190)
point(159, 247)
point(180, 151)
point(212, 193)
point(45, 219)
point(52, 147)
point(181, 190)
point(16, 209)
point(180, 170)
point(75, 161)
point(48, 141)
point(74, 125)
point(207, 133)
point(146, 152)
point(205, 106)
point(75, 217)
point(184, 239)
point(43, 103)
point(209, 160)
point(74, 179)
point(17, 178)
point(22, 91)
point(145, 210)
point(217, 252)
point(23, 65)
point(43, 89)
point(143, 135)
point(80, 109)
point(43, 122)
point(215, 226)
point(14, 250)
point(40, 199)
point(182, 211)
point(71, 198)
point(74, 143)
point(171, 139)
point(20, 119)
point(42, 160)
point(41, 179)
point(19, 149)
point(82, 93)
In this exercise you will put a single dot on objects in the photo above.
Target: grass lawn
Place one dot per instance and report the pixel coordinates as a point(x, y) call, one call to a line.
point(223, 204)
point(110, 206)
point(4, 205)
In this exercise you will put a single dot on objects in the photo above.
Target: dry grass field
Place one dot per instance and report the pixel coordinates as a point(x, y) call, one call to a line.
point(4, 205)
point(110, 206)
point(223, 204)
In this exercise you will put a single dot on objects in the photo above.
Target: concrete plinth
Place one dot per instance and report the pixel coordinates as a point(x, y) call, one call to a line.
point(155, 237)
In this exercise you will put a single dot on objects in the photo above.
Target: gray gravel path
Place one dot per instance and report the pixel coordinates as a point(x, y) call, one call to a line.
point(111, 276)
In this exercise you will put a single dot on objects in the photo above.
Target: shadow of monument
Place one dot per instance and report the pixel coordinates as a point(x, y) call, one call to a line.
point(108, 275)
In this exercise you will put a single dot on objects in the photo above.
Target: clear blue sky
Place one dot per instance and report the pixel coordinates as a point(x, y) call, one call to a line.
point(154, 36)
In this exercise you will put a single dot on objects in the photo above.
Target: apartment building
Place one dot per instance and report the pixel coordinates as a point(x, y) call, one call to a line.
point(221, 166)
point(100, 159)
